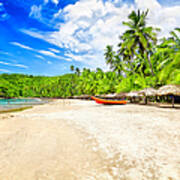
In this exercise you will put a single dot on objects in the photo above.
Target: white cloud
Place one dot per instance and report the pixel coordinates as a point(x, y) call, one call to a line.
point(92, 24)
point(38, 56)
point(21, 66)
point(36, 12)
point(4, 63)
point(21, 45)
point(55, 1)
point(33, 33)
point(4, 70)
point(54, 50)
point(3, 13)
point(15, 65)
point(49, 62)
point(49, 53)
point(6, 53)
point(150, 4)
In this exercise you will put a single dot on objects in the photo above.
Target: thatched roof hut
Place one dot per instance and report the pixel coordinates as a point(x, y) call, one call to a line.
point(173, 90)
point(133, 94)
point(108, 96)
point(148, 92)
point(169, 90)
point(121, 95)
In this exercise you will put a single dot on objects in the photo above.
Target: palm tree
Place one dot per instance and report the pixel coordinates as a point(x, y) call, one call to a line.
point(109, 56)
point(77, 71)
point(113, 60)
point(139, 38)
point(167, 58)
point(72, 68)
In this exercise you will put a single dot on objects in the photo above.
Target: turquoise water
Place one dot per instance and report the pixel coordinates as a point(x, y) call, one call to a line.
point(17, 103)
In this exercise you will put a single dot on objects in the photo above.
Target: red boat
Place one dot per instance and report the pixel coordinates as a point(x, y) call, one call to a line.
point(110, 102)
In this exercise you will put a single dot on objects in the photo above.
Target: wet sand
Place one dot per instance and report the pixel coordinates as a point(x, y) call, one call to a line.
point(72, 139)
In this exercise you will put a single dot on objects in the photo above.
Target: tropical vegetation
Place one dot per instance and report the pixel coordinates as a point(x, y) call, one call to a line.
point(141, 60)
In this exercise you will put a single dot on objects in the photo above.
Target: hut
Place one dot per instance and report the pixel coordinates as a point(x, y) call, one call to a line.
point(172, 90)
point(121, 95)
point(133, 95)
point(108, 96)
point(148, 92)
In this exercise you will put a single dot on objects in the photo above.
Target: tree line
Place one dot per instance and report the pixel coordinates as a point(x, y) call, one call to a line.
point(141, 60)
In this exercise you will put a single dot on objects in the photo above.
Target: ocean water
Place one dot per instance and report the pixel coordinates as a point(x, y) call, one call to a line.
point(17, 103)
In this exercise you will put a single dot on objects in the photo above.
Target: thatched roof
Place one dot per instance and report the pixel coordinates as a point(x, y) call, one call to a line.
point(121, 95)
point(133, 94)
point(84, 96)
point(108, 96)
point(148, 92)
point(169, 90)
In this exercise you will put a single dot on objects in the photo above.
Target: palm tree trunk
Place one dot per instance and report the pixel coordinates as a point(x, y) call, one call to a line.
point(150, 64)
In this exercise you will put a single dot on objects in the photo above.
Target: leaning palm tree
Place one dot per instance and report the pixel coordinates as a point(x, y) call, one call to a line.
point(139, 38)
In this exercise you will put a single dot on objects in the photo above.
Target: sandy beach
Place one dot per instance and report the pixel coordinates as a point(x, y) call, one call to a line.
point(73, 139)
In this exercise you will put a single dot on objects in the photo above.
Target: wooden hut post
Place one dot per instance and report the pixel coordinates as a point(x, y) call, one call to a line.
point(145, 100)
point(173, 101)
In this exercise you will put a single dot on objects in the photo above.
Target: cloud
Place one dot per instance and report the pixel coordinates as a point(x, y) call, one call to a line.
point(50, 53)
point(21, 66)
point(3, 13)
point(49, 62)
point(38, 56)
point(4, 70)
point(54, 50)
point(15, 65)
point(36, 12)
point(5, 53)
point(89, 26)
point(21, 45)
point(53, 1)
point(33, 33)
point(47, 53)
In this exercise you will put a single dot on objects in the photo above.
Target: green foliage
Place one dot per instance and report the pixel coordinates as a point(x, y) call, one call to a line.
point(140, 62)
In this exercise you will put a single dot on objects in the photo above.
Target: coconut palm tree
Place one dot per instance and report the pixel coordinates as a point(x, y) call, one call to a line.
point(139, 38)
point(109, 56)
point(113, 59)
point(78, 71)
point(167, 59)
point(72, 68)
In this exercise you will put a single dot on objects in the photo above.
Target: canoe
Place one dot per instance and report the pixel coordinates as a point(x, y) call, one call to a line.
point(110, 102)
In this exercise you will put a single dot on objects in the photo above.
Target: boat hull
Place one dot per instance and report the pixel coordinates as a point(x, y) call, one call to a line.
point(109, 102)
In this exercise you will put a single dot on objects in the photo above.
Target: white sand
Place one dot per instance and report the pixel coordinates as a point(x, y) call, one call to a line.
point(82, 140)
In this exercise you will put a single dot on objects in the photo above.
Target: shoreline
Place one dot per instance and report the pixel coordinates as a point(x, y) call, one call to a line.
point(75, 139)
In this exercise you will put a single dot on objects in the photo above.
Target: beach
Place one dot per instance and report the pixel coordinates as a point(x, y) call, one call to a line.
point(76, 139)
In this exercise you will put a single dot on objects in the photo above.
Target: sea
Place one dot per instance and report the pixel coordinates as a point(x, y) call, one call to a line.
point(13, 103)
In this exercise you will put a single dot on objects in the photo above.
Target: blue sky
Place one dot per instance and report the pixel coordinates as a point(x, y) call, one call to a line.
point(45, 37)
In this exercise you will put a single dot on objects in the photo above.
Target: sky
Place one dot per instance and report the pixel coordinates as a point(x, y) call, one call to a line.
point(46, 37)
